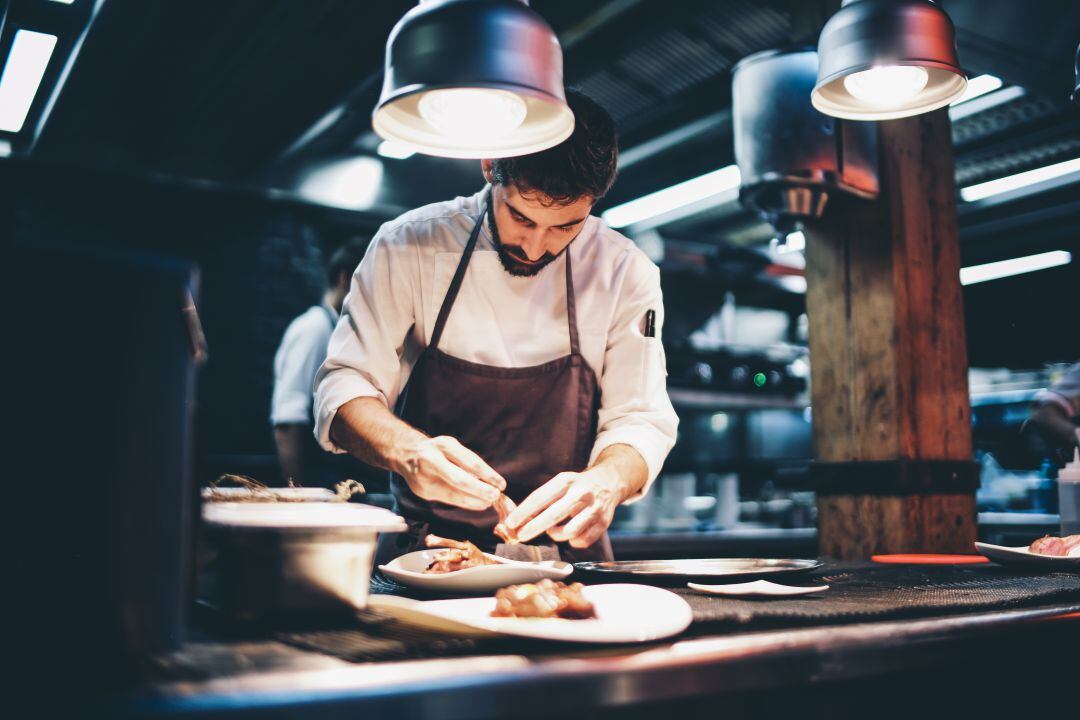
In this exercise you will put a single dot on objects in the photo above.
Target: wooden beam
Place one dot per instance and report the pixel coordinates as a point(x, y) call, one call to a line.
point(888, 354)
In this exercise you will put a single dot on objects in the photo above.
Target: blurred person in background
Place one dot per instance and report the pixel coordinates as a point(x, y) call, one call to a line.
point(301, 352)
point(1056, 415)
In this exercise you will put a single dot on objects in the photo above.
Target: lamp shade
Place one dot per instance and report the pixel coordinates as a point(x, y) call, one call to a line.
point(473, 79)
point(884, 59)
point(792, 160)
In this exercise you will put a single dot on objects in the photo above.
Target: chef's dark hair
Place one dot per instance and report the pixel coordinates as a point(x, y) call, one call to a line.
point(582, 165)
point(345, 259)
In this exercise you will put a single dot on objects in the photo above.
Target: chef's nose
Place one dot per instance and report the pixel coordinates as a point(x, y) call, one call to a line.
point(533, 246)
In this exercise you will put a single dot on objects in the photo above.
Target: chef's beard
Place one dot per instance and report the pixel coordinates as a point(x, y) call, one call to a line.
point(513, 261)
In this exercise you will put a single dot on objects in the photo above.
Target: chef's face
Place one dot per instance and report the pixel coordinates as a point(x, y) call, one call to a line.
point(532, 230)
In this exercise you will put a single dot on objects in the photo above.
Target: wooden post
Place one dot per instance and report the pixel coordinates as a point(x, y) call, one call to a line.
point(891, 411)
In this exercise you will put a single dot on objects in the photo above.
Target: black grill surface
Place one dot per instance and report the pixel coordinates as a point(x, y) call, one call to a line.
point(859, 592)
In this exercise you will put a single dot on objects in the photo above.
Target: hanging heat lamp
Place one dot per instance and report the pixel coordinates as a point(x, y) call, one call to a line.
point(885, 59)
point(473, 79)
point(792, 160)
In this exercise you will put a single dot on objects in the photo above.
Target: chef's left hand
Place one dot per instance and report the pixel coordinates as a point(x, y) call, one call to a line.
point(586, 501)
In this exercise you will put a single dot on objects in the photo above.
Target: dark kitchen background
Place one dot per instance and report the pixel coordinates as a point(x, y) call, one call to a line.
point(236, 134)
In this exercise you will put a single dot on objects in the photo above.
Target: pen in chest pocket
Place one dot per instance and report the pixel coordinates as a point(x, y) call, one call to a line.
point(650, 324)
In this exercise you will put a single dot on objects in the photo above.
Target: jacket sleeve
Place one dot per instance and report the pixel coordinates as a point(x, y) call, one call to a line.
point(634, 406)
point(364, 354)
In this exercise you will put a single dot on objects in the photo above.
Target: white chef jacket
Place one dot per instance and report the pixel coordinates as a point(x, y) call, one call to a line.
point(502, 320)
point(298, 357)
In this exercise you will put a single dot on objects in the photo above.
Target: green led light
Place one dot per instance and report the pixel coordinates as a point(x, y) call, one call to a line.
point(759, 379)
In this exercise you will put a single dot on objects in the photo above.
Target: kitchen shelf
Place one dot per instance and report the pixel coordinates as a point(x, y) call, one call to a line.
point(699, 398)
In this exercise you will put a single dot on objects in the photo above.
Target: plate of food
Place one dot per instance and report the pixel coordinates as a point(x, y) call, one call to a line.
point(552, 610)
point(460, 567)
point(1049, 552)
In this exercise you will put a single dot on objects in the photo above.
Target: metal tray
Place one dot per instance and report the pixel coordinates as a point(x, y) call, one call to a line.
point(711, 568)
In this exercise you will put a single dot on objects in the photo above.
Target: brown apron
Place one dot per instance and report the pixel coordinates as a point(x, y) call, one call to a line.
point(529, 423)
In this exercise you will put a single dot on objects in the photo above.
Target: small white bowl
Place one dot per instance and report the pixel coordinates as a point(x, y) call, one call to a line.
point(758, 588)
point(409, 571)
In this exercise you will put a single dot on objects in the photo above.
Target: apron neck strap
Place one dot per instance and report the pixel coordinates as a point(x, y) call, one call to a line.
point(571, 306)
point(459, 277)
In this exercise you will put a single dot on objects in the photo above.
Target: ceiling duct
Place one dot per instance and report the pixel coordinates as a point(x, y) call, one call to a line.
point(791, 157)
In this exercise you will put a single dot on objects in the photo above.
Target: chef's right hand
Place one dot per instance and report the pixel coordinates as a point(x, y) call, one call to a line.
point(441, 469)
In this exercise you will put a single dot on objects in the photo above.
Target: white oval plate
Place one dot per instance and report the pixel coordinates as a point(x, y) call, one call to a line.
point(409, 571)
point(624, 614)
point(1023, 557)
point(756, 588)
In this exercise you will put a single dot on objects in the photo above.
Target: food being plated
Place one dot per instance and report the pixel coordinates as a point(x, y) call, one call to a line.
point(457, 555)
point(504, 506)
point(544, 599)
point(1068, 546)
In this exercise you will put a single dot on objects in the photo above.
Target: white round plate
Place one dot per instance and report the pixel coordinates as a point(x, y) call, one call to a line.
point(1021, 556)
point(409, 571)
point(624, 614)
point(758, 588)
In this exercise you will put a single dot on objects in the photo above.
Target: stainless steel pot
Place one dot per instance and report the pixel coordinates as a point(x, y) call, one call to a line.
point(272, 560)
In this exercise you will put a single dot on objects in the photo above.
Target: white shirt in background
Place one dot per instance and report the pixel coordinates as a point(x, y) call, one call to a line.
point(302, 351)
point(504, 321)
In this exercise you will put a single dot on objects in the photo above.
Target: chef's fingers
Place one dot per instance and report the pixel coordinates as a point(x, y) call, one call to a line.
point(578, 523)
point(570, 504)
point(590, 534)
point(466, 459)
point(460, 487)
point(439, 491)
point(539, 499)
point(503, 507)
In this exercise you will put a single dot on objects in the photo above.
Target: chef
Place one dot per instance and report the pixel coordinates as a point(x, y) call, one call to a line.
point(518, 337)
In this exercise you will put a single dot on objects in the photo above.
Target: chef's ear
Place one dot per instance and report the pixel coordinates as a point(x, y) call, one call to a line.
point(485, 167)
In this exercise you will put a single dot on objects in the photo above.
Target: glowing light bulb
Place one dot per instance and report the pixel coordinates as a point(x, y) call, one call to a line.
point(888, 85)
point(473, 113)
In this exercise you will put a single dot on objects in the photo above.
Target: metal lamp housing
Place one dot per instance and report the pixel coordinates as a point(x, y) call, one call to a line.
point(866, 35)
point(791, 158)
point(487, 45)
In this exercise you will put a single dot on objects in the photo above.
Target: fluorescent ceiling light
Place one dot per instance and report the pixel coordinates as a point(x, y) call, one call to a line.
point(709, 187)
point(65, 2)
point(985, 102)
point(1015, 266)
point(5, 148)
point(394, 150)
point(1020, 180)
point(30, 53)
point(351, 184)
point(979, 86)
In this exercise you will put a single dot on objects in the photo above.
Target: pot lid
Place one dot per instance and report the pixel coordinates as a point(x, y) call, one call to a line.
point(302, 516)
